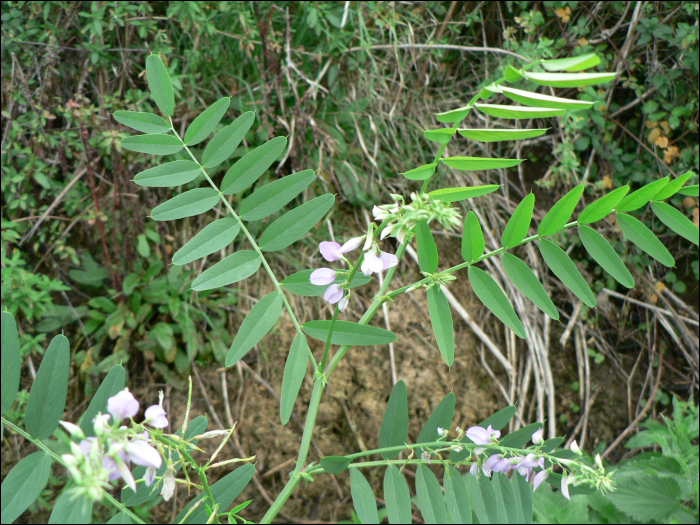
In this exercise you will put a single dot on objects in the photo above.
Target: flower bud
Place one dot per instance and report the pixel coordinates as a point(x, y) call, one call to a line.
point(74, 430)
point(574, 447)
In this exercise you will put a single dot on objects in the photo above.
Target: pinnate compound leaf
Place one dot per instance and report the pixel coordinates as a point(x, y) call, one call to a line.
point(441, 136)
point(561, 212)
point(204, 124)
point(526, 281)
point(426, 248)
point(692, 191)
point(431, 501)
point(569, 79)
point(564, 268)
point(271, 197)
point(394, 429)
point(473, 242)
point(68, 510)
point(675, 220)
point(153, 144)
point(110, 386)
point(24, 483)
point(544, 101)
point(518, 112)
point(441, 320)
point(459, 194)
point(47, 398)
point(294, 372)
point(397, 496)
point(252, 165)
point(11, 362)
point(578, 63)
point(441, 417)
point(605, 255)
point(169, 175)
point(210, 239)
point(299, 284)
point(349, 333)
point(672, 187)
point(644, 238)
point(457, 496)
point(193, 202)
point(519, 224)
point(642, 196)
point(363, 497)
point(234, 268)
point(421, 172)
point(478, 163)
point(489, 293)
point(602, 207)
point(143, 122)
point(160, 85)
point(498, 135)
point(255, 326)
point(294, 224)
point(646, 497)
point(454, 115)
point(335, 464)
point(227, 140)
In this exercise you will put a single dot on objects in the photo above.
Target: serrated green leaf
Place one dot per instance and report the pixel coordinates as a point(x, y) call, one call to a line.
point(299, 284)
point(561, 212)
point(498, 135)
point(646, 497)
point(143, 122)
point(478, 163)
point(604, 254)
point(578, 63)
point(169, 175)
point(335, 464)
point(473, 242)
point(645, 239)
point(526, 281)
point(569, 79)
point(421, 172)
point(153, 144)
point(110, 386)
point(519, 224)
point(475, 497)
point(441, 417)
point(675, 220)
point(349, 333)
point(11, 365)
point(234, 268)
point(564, 268)
point(394, 430)
point(441, 320)
point(160, 85)
point(23, 484)
point(692, 191)
point(495, 300)
point(212, 238)
point(294, 372)
point(431, 502)
point(259, 321)
point(529, 98)
point(642, 196)
point(204, 124)
point(441, 136)
point(506, 497)
point(520, 437)
point(271, 197)
point(602, 207)
point(459, 194)
point(47, 398)
point(227, 140)
point(457, 496)
point(518, 112)
point(252, 165)
point(454, 115)
point(672, 187)
point(294, 224)
point(193, 202)
point(70, 510)
point(363, 497)
point(426, 248)
point(397, 496)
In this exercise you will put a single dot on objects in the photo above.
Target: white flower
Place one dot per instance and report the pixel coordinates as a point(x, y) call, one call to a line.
point(574, 447)
point(343, 303)
point(442, 432)
point(168, 485)
point(371, 264)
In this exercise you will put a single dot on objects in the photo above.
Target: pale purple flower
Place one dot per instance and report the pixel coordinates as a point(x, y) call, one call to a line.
point(343, 304)
point(156, 416)
point(332, 251)
point(389, 260)
point(150, 476)
point(111, 467)
point(371, 264)
point(491, 461)
point(481, 435)
point(352, 244)
point(537, 438)
point(474, 469)
point(503, 465)
point(526, 465)
point(143, 454)
point(123, 405)
point(125, 473)
point(322, 276)
point(539, 478)
point(333, 294)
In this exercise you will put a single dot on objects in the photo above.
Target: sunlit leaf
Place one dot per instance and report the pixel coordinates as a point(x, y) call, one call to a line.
point(569, 79)
point(672, 187)
point(349, 333)
point(642, 196)
point(525, 280)
point(602, 207)
point(561, 212)
point(519, 223)
point(497, 135)
point(489, 293)
point(529, 98)
point(271, 197)
point(459, 194)
point(644, 238)
point(675, 220)
point(210, 239)
point(605, 255)
point(564, 268)
point(294, 371)
point(421, 172)
point(692, 191)
point(160, 85)
point(252, 165)
point(454, 115)
point(169, 175)
point(232, 269)
point(294, 224)
point(225, 142)
point(188, 204)
point(578, 63)
point(259, 321)
point(204, 124)
point(518, 112)
point(143, 122)
point(441, 136)
point(478, 163)
point(153, 144)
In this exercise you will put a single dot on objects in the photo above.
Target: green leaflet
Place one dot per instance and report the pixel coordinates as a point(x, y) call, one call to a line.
point(271, 197)
point(440, 417)
point(569, 79)
point(120, 518)
point(426, 248)
point(642, 196)
point(457, 496)
point(210, 239)
point(294, 224)
point(110, 386)
point(521, 486)
point(47, 398)
point(193, 202)
point(525, 280)
point(506, 498)
point(441, 136)
point(255, 326)
point(204, 124)
point(602, 207)
point(363, 497)
point(564, 268)
point(294, 371)
point(335, 464)
point(544, 101)
point(493, 503)
point(11, 365)
point(153, 144)
point(520, 437)
point(454, 115)
point(478, 163)
point(252, 165)
point(68, 510)
point(518, 112)
point(578, 63)
point(298, 283)
point(421, 172)
point(429, 494)
point(495, 300)
point(689, 190)
point(500, 419)
point(561, 212)
point(394, 429)
point(397, 496)
point(644, 238)
point(476, 499)
point(497, 135)
point(169, 175)
point(234, 268)
point(511, 74)
point(459, 194)
point(160, 85)
point(24, 483)
point(349, 333)
point(143, 122)
point(441, 320)
point(672, 187)
point(227, 140)
point(604, 254)
point(518, 225)
point(473, 242)
point(675, 220)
